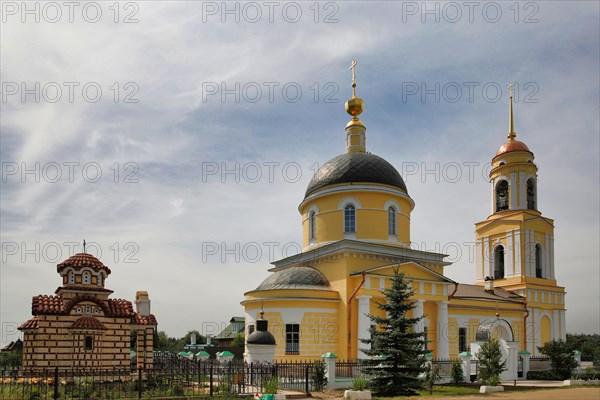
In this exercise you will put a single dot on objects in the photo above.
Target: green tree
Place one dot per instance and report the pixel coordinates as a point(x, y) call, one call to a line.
point(398, 347)
point(187, 339)
point(456, 373)
point(239, 340)
point(562, 362)
point(490, 360)
point(588, 344)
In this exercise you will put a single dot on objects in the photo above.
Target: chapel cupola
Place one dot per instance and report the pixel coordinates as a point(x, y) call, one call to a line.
point(83, 269)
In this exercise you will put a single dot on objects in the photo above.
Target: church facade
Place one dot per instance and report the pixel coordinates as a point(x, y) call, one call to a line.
point(356, 217)
point(81, 327)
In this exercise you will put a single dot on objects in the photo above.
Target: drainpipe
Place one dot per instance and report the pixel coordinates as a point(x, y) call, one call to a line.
point(454, 292)
point(362, 282)
point(525, 324)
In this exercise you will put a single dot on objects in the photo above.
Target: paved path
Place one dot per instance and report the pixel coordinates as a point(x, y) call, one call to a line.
point(588, 393)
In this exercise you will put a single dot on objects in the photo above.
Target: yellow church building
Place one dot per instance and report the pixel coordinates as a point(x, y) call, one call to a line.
point(356, 232)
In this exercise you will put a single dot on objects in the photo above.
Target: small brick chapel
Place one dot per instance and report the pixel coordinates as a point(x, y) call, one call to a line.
point(80, 327)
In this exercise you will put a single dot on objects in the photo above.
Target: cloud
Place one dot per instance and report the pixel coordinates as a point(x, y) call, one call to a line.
point(160, 206)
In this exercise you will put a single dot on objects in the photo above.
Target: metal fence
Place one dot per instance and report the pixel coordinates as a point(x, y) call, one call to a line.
point(444, 366)
point(350, 369)
point(171, 376)
point(539, 363)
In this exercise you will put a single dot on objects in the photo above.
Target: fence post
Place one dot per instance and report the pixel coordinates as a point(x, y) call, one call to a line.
point(55, 397)
point(465, 358)
point(139, 382)
point(577, 357)
point(210, 377)
point(306, 377)
point(329, 359)
point(525, 355)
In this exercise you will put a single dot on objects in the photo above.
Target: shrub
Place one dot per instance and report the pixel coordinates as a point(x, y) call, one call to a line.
point(561, 357)
point(318, 376)
point(271, 385)
point(177, 391)
point(456, 373)
point(544, 375)
point(493, 380)
point(360, 383)
point(587, 376)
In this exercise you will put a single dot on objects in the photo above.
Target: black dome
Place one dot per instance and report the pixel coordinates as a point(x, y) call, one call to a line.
point(295, 278)
point(261, 337)
point(356, 167)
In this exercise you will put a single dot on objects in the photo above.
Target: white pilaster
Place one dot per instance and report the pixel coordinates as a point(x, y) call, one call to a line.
point(522, 191)
point(509, 266)
point(528, 248)
point(517, 252)
point(443, 349)
point(364, 309)
point(488, 270)
point(479, 260)
point(418, 313)
point(552, 256)
point(555, 321)
point(512, 205)
point(546, 273)
point(493, 195)
point(531, 328)
point(563, 325)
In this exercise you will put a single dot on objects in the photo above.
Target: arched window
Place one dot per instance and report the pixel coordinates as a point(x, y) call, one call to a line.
point(349, 219)
point(71, 277)
point(89, 343)
point(312, 225)
point(502, 196)
point(86, 278)
point(99, 279)
point(538, 261)
point(499, 262)
point(392, 221)
point(531, 194)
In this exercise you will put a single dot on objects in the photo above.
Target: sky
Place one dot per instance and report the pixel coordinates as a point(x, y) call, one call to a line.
point(178, 137)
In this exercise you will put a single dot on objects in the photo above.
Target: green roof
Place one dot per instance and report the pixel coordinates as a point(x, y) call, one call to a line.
point(465, 354)
point(225, 354)
point(229, 332)
point(524, 352)
point(202, 354)
point(329, 355)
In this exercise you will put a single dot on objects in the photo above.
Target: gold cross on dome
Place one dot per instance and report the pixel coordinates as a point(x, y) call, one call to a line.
point(353, 68)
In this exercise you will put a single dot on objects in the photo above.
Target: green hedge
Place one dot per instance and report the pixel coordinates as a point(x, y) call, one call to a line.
point(586, 376)
point(544, 375)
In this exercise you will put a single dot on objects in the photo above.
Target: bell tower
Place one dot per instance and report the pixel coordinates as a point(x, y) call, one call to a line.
point(515, 244)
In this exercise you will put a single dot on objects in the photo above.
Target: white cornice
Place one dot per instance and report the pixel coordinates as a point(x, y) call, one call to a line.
point(362, 187)
point(397, 254)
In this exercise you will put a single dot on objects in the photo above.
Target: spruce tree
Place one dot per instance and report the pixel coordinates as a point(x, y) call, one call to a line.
point(397, 350)
point(490, 361)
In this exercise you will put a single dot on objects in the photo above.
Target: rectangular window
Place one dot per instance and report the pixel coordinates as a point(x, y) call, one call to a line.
point(292, 339)
point(462, 339)
point(425, 334)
